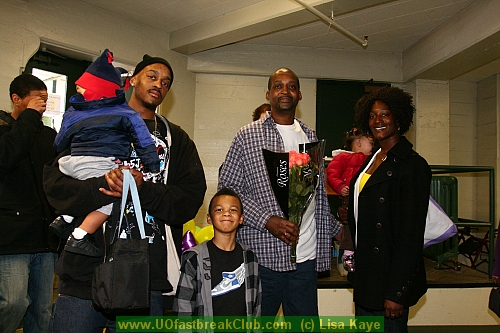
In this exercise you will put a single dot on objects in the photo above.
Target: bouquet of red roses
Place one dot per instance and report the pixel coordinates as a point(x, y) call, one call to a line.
point(294, 178)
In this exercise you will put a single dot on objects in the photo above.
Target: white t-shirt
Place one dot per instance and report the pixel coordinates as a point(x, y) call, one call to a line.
point(292, 136)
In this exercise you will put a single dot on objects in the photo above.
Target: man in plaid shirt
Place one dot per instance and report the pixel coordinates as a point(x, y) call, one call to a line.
point(265, 230)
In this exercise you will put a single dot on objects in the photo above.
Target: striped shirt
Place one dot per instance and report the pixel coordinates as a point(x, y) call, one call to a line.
point(245, 172)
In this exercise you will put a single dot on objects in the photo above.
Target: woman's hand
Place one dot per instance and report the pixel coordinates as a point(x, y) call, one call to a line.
point(392, 309)
point(496, 279)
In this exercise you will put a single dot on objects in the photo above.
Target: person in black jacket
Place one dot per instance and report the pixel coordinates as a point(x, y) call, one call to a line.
point(171, 197)
point(27, 248)
point(387, 213)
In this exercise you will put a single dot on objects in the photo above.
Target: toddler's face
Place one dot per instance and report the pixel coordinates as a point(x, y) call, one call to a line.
point(366, 145)
point(80, 90)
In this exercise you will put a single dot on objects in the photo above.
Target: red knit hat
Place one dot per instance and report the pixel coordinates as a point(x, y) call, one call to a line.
point(101, 79)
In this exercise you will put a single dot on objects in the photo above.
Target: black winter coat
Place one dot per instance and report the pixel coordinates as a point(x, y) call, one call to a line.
point(392, 210)
point(25, 146)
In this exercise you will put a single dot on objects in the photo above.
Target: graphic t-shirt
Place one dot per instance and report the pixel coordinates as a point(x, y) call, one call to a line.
point(228, 281)
point(154, 230)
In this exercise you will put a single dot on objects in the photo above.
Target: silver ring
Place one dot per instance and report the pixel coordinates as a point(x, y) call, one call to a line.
point(285, 234)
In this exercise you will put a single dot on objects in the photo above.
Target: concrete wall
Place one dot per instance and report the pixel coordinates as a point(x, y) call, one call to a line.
point(487, 137)
point(463, 142)
point(432, 121)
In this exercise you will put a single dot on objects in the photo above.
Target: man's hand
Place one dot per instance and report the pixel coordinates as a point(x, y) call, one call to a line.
point(37, 103)
point(114, 178)
point(283, 229)
point(496, 279)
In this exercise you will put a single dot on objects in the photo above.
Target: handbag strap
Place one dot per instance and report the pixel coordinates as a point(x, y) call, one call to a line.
point(129, 184)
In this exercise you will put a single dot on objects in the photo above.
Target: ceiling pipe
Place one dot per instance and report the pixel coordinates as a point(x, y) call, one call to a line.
point(336, 26)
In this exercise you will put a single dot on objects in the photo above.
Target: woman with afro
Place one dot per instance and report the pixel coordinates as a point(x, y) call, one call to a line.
point(387, 212)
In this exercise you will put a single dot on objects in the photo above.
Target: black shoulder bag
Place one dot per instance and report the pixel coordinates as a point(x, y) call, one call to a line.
point(121, 282)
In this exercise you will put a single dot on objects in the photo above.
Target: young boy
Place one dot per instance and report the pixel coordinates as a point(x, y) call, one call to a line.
point(100, 128)
point(220, 277)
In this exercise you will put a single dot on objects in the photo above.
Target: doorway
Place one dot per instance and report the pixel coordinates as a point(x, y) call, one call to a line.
point(56, 103)
point(59, 74)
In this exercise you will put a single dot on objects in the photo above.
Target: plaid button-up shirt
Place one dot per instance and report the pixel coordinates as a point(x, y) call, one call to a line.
point(245, 172)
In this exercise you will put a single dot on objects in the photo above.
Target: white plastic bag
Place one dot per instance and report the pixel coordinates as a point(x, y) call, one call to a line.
point(439, 226)
point(173, 262)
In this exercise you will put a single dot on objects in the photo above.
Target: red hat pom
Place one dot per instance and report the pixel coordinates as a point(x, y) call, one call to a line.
point(110, 57)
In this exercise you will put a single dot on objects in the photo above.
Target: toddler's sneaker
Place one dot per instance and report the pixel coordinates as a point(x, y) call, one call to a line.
point(62, 228)
point(348, 261)
point(85, 246)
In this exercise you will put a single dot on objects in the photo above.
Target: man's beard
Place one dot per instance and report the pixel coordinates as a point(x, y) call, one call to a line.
point(149, 106)
point(288, 108)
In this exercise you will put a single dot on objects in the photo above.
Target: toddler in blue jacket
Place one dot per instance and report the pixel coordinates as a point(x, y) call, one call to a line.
point(101, 130)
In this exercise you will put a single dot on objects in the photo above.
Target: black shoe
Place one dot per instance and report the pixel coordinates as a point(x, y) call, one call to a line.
point(62, 228)
point(85, 246)
point(349, 263)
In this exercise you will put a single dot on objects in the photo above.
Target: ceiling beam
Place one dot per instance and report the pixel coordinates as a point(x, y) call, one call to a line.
point(466, 42)
point(260, 19)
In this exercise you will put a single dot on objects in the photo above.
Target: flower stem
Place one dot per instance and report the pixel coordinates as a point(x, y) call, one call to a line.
point(293, 253)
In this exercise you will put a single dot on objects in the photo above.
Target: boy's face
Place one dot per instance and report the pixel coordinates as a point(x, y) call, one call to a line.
point(225, 214)
point(20, 104)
